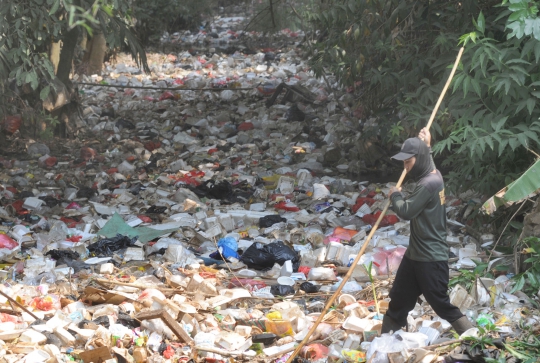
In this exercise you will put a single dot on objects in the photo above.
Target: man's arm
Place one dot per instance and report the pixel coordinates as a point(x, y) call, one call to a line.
point(411, 207)
point(425, 135)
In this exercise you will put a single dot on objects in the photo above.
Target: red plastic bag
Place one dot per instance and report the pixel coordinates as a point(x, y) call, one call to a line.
point(245, 126)
point(88, 153)
point(166, 96)
point(387, 220)
point(290, 207)
point(168, 353)
point(7, 242)
point(12, 123)
point(304, 269)
point(151, 145)
point(360, 202)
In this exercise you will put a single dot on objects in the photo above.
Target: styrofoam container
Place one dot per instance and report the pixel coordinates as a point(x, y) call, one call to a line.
point(285, 280)
point(334, 249)
point(287, 268)
point(358, 324)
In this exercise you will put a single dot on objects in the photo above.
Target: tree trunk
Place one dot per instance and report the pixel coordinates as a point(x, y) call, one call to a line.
point(66, 56)
point(96, 53)
point(55, 55)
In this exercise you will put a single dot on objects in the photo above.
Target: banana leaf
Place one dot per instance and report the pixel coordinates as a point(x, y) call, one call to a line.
point(525, 186)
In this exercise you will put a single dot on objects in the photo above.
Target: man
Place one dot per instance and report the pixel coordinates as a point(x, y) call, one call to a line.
point(424, 268)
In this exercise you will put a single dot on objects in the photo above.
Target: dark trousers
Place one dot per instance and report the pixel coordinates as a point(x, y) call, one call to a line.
point(415, 278)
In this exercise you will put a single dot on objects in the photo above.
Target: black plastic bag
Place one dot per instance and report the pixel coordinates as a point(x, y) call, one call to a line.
point(156, 209)
point(86, 192)
point(282, 290)
point(257, 257)
point(265, 338)
point(63, 255)
point(281, 253)
point(295, 114)
point(263, 257)
point(270, 220)
point(308, 287)
point(106, 246)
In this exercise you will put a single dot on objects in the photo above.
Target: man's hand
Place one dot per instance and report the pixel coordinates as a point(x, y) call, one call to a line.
point(426, 136)
point(394, 190)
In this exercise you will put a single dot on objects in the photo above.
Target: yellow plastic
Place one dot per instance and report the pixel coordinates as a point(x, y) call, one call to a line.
point(270, 182)
point(274, 315)
point(356, 356)
point(282, 328)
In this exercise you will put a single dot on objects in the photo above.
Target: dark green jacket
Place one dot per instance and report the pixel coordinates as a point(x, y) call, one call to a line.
point(426, 210)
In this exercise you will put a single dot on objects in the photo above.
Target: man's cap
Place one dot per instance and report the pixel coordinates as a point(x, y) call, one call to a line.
point(410, 148)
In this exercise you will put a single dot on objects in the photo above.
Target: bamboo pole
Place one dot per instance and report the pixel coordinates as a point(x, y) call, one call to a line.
point(374, 229)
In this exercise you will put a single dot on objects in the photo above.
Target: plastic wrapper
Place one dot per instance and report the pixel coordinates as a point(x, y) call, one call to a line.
point(227, 248)
point(281, 328)
point(384, 259)
point(351, 355)
point(7, 242)
point(314, 352)
point(341, 234)
point(46, 303)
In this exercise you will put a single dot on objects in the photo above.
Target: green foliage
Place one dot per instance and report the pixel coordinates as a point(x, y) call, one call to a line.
point(157, 16)
point(275, 15)
point(529, 280)
point(51, 122)
point(369, 270)
point(395, 56)
point(29, 27)
point(26, 31)
point(467, 278)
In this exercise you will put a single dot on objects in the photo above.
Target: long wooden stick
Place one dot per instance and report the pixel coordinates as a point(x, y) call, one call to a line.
point(445, 88)
point(373, 230)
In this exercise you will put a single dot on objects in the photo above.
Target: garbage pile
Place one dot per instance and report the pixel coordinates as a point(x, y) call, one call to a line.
point(215, 223)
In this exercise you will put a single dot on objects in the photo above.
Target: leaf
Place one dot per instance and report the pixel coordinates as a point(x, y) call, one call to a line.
point(497, 125)
point(519, 284)
point(466, 84)
point(525, 185)
point(476, 86)
point(513, 142)
point(530, 105)
point(55, 7)
point(44, 92)
point(481, 23)
point(536, 28)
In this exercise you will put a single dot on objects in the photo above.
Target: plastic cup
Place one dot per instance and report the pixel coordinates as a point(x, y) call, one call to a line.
point(285, 280)
point(347, 299)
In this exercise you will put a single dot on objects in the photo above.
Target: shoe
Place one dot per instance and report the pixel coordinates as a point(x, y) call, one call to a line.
point(389, 325)
point(462, 325)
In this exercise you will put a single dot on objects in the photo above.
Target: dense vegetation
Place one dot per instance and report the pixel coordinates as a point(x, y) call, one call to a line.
point(394, 55)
